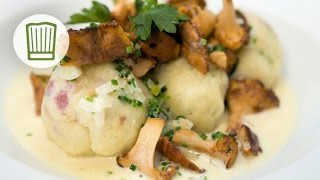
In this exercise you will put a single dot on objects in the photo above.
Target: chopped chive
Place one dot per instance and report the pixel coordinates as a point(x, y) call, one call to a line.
point(109, 172)
point(119, 68)
point(137, 52)
point(155, 90)
point(93, 25)
point(180, 117)
point(91, 98)
point(218, 135)
point(203, 42)
point(132, 82)
point(178, 128)
point(125, 99)
point(136, 103)
point(114, 82)
point(164, 163)
point(133, 167)
point(203, 136)
point(185, 145)
point(64, 60)
point(254, 40)
point(170, 134)
point(129, 50)
point(218, 47)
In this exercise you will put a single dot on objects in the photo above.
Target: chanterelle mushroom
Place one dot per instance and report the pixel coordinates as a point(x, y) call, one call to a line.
point(225, 148)
point(247, 97)
point(142, 154)
point(228, 32)
point(39, 83)
point(107, 42)
point(192, 49)
point(168, 149)
point(249, 141)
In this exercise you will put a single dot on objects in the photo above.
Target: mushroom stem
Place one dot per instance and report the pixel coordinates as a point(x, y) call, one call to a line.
point(142, 154)
point(229, 33)
point(168, 149)
point(225, 148)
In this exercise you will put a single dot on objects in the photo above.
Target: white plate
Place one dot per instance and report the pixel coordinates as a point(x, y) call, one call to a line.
point(294, 21)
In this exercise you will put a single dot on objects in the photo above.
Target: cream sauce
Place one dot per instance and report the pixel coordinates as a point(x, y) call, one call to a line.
point(272, 127)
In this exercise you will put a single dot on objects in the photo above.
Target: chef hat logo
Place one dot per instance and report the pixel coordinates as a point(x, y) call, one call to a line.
point(41, 41)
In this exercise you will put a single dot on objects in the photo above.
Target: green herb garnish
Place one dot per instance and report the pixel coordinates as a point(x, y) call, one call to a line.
point(93, 25)
point(155, 90)
point(180, 117)
point(170, 134)
point(114, 82)
point(29, 134)
point(91, 98)
point(132, 82)
point(133, 167)
point(129, 50)
point(218, 135)
point(178, 128)
point(97, 13)
point(218, 47)
point(64, 60)
point(154, 108)
point(109, 172)
point(203, 136)
point(122, 69)
point(185, 145)
point(203, 42)
point(163, 16)
point(125, 99)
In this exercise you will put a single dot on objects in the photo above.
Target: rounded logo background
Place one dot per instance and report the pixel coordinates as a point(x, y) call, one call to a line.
point(41, 41)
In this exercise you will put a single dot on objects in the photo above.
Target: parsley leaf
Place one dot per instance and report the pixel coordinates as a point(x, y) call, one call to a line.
point(97, 13)
point(164, 16)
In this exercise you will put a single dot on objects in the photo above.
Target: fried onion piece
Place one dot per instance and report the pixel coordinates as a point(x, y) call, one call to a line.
point(249, 141)
point(225, 148)
point(161, 47)
point(228, 32)
point(192, 49)
point(142, 66)
point(39, 83)
point(247, 97)
point(107, 42)
point(142, 154)
point(168, 149)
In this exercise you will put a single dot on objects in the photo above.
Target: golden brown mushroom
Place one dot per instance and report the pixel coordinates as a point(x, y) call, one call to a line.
point(142, 153)
point(161, 47)
point(192, 49)
point(225, 148)
point(249, 141)
point(205, 21)
point(228, 32)
point(39, 83)
point(220, 59)
point(247, 97)
point(142, 66)
point(107, 42)
point(179, 3)
point(121, 13)
point(168, 149)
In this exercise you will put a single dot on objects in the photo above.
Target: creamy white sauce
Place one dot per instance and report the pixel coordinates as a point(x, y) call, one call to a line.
point(272, 127)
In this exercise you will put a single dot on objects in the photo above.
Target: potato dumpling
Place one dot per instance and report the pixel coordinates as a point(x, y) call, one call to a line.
point(73, 123)
point(197, 97)
point(262, 58)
